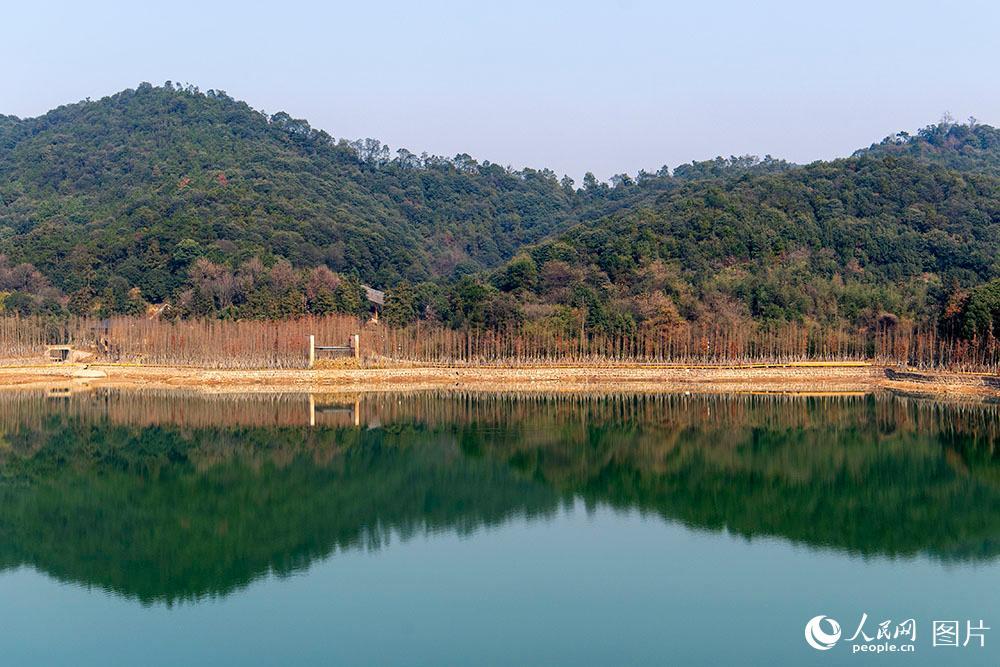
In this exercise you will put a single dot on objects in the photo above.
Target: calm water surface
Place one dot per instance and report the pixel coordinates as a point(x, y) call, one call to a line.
point(458, 529)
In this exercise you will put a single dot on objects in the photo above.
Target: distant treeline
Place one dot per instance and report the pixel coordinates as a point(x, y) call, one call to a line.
point(283, 343)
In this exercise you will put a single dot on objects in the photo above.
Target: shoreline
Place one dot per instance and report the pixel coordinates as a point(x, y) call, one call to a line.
point(814, 378)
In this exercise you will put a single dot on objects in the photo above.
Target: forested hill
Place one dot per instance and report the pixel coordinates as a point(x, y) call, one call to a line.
point(166, 194)
point(852, 242)
point(136, 183)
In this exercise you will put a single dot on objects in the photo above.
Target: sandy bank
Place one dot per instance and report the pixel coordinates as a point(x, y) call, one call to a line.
point(798, 378)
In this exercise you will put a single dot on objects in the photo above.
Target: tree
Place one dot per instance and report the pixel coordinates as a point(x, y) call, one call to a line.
point(185, 252)
point(320, 284)
point(19, 303)
point(401, 305)
point(81, 302)
point(119, 298)
point(350, 298)
point(469, 300)
point(659, 312)
point(520, 274)
point(503, 312)
point(981, 316)
point(323, 302)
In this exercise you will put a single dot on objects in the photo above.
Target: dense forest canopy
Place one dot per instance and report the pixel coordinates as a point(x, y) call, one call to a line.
point(841, 241)
point(167, 195)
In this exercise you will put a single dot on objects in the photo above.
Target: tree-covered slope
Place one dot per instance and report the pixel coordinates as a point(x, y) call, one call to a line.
point(136, 183)
point(847, 241)
point(164, 194)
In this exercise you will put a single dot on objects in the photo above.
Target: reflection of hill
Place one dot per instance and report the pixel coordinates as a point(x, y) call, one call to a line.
point(874, 477)
point(165, 512)
point(160, 514)
point(901, 499)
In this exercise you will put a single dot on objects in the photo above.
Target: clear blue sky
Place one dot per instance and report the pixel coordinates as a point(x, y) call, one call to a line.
point(608, 87)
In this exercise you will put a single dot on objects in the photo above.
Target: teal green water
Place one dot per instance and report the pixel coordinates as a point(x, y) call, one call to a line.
point(457, 529)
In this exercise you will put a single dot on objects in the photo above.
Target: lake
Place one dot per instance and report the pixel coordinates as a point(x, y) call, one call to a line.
point(495, 529)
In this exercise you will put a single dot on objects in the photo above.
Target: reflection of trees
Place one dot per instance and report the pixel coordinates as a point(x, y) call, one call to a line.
point(161, 514)
point(874, 477)
point(165, 512)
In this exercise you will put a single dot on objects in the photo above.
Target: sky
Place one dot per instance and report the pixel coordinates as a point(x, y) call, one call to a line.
point(607, 87)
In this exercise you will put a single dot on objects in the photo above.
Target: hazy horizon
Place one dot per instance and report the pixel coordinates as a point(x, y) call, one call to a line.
point(556, 87)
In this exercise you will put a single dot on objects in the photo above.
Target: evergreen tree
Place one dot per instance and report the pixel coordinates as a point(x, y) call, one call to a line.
point(401, 305)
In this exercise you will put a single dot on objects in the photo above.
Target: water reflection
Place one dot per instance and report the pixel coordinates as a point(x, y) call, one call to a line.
point(165, 497)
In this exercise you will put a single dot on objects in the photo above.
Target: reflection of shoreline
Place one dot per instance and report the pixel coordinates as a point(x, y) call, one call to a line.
point(200, 494)
point(195, 409)
point(803, 377)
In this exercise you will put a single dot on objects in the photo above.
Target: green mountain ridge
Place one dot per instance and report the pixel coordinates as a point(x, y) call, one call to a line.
point(158, 165)
point(844, 241)
point(169, 194)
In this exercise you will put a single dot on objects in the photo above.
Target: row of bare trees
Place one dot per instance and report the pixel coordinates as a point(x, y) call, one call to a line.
point(677, 412)
point(283, 343)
